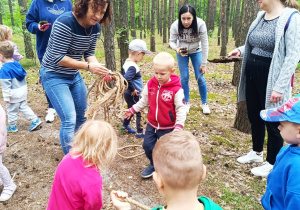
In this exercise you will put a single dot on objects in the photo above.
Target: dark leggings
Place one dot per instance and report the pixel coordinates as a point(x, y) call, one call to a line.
point(131, 100)
point(257, 70)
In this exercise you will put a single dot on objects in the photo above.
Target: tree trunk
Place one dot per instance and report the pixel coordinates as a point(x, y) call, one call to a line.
point(158, 20)
point(132, 18)
point(223, 29)
point(144, 26)
point(123, 12)
point(152, 38)
point(109, 44)
point(227, 20)
point(171, 15)
point(11, 12)
point(204, 11)
point(161, 17)
point(249, 12)
point(165, 22)
point(116, 20)
point(236, 19)
point(148, 15)
point(140, 18)
point(211, 15)
point(219, 26)
point(200, 12)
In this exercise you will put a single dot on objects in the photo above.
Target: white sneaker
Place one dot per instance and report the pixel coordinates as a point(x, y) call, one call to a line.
point(8, 192)
point(262, 170)
point(51, 113)
point(187, 107)
point(205, 108)
point(251, 157)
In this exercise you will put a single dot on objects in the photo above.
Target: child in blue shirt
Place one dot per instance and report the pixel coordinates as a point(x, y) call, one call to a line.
point(283, 185)
point(14, 89)
point(131, 72)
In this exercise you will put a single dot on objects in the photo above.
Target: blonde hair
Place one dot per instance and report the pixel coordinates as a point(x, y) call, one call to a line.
point(178, 160)
point(4, 32)
point(164, 59)
point(6, 49)
point(96, 142)
point(290, 3)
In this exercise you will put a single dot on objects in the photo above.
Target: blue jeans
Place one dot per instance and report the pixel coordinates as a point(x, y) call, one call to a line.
point(67, 94)
point(183, 64)
point(48, 100)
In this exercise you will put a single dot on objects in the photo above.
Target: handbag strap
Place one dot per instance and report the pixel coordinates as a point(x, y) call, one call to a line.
point(288, 22)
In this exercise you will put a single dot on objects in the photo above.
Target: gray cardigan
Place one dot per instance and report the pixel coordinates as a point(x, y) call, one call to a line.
point(284, 61)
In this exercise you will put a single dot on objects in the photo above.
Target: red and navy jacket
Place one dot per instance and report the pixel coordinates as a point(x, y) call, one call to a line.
point(166, 104)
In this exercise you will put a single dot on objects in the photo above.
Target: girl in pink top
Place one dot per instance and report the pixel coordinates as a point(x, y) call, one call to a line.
point(5, 178)
point(77, 183)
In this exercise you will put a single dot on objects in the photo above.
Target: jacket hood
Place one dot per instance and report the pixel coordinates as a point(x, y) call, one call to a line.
point(175, 81)
point(17, 71)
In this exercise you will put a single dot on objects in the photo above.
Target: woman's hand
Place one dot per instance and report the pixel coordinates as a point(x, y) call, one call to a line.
point(135, 93)
point(275, 97)
point(178, 50)
point(114, 195)
point(235, 52)
point(202, 69)
point(98, 68)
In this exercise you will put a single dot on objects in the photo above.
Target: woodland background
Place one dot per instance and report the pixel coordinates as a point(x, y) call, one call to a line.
point(33, 157)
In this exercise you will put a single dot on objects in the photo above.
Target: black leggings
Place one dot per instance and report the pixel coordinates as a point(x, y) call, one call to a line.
point(257, 70)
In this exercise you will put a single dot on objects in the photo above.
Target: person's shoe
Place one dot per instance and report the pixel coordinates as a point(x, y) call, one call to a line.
point(12, 129)
point(35, 124)
point(262, 170)
point(128, 129)
point(148, 171)
point(187, 107)
point(205, 108)
point(8, 192)
point(51, 113)
point(251, 157)
point(140, 135)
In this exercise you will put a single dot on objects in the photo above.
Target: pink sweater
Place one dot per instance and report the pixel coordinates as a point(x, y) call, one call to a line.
point(75, 186)
point(3, 131)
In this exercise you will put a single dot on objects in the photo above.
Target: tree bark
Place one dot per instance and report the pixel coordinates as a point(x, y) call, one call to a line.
point(211, 15)
point(144, 26)
point(148, 15)
point(109, 44)
point(200, 11)
point(171, 15)
point(27, 38)
point(123, 15)
point(220, 20)
point(249, 11)
point(11, 12)
point(140, 18)
point(161, 17)
point(227, 20)
point(236, 19)
point(152, 38)
point(223, 29)
point(165, 22)
point(132, 18)
point(158, 20)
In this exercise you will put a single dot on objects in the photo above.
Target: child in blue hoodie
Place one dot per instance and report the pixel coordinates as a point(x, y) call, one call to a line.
point(283, 185)
point(14, 89)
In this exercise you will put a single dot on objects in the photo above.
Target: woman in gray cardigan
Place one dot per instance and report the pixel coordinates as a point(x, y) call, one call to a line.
point(270, 57)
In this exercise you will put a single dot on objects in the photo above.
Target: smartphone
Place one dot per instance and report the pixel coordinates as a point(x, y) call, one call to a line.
point(45, 25)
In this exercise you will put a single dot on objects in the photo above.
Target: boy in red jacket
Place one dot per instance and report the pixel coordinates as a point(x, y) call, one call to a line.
point(164, 94)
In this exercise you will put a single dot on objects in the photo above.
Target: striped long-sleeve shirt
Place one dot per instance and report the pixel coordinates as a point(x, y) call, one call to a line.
point(68, 38)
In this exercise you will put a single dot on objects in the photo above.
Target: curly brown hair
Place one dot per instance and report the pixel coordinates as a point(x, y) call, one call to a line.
point(81, 7)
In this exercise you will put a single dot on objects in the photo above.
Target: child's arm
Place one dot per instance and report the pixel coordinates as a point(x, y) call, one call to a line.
point(17, 56)
point(119, 205)
point(180, 110)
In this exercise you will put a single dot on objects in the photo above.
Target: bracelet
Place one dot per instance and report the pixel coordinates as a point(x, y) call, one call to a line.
point(88, 65)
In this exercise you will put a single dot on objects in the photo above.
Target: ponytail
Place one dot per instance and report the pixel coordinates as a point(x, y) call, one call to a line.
point(290, 3)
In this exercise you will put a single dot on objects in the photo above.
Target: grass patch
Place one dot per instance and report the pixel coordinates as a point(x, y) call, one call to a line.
point(222, 140)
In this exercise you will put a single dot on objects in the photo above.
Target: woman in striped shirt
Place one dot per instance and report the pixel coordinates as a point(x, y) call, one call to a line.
point(74, 35)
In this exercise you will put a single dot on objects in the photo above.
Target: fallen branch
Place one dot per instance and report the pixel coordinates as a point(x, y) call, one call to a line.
point(225, 59)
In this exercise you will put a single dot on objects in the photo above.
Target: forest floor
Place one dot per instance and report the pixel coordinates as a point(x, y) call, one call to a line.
point(32, 157)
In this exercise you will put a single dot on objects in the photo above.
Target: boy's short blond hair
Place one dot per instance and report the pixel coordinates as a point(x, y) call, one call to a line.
point(6, 49)
point(178, 160)
point(96, 142)
point(4, 32)
point(164, 59)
